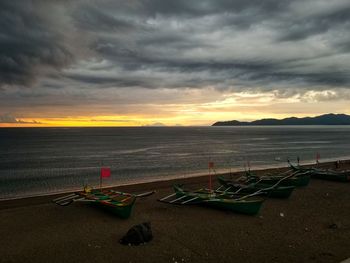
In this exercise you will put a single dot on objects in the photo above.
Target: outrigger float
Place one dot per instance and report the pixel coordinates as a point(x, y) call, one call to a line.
point(119, 203)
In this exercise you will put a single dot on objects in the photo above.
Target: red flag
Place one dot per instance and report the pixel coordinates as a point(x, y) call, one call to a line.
point(211, 165)
point(105, 172)
point(318, 156)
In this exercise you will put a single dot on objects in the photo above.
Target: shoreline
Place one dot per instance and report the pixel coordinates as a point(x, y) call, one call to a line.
point(151, 185)
point(313, 225)
point(174, 178)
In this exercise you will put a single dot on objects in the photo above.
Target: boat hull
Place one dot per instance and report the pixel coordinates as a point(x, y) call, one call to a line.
point(279, 192)
point(118, 204)
point(123, 211)
point(242, 206)
point(298, 181)
point(329, 175)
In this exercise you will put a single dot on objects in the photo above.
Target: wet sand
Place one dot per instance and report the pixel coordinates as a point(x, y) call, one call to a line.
point(314, 227)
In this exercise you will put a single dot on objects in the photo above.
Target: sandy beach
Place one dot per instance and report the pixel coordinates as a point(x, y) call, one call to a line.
point(313, 225)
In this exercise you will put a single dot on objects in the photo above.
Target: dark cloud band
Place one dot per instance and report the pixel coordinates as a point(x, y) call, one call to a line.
point(176, 44)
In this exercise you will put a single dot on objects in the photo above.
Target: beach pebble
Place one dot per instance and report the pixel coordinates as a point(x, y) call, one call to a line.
point(328, 254)
point(334, 225)
point(281, 214)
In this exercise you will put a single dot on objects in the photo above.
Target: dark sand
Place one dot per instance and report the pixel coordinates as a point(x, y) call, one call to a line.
point(315, 228)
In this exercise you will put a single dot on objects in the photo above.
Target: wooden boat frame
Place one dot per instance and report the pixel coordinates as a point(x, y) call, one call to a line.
point(326, 174)
point(119, 203)
point(244, 204)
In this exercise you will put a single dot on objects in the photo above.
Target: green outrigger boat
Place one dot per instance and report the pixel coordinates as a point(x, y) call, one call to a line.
point(278, 191)
point(295, 178)
point(118, 203)
point(330, 175)
point(249, 205)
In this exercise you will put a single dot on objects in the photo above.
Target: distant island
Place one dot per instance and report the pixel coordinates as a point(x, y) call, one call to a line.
point(327, 119)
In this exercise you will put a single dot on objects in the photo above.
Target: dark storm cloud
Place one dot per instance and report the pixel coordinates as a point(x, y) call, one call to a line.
point(33, 40)
point(94, 18)
point(208, 7)
point(175, 44)
point(100, 80)
point(299, 29)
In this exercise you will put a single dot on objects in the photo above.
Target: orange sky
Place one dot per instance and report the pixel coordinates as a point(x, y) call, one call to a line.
point(239, 106)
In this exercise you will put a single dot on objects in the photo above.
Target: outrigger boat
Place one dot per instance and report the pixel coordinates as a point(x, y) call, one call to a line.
point(331, 175)
point(292, 178)
point(119, 203)
point(248, 204)
point(278, 191)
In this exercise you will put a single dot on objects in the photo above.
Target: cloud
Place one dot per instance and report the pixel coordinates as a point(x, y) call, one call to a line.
point(36, 39)
point(7, 118)
point(117, 55)
point(156, 124)
point(241, 44)
point(154, 44)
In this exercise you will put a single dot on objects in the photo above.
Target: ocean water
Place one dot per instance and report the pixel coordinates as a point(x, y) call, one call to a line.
point(36, 161)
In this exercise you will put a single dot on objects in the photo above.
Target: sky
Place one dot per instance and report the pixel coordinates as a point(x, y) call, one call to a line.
point(165, 62)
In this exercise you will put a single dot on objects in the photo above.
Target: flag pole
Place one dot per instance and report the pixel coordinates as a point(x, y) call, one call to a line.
point(210, 167)
point(209, 176)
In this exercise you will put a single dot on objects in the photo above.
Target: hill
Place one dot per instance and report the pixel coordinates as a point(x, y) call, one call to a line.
point(327, 119)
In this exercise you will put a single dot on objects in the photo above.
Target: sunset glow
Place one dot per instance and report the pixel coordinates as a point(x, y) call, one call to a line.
point(121, 63)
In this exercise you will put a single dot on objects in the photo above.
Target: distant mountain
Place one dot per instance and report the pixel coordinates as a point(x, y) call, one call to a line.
point(327, 119)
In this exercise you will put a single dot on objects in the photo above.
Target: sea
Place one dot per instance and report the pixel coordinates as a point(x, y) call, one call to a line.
point(41, 161)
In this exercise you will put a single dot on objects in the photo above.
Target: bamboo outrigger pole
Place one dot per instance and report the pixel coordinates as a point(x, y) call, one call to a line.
point(210, 166)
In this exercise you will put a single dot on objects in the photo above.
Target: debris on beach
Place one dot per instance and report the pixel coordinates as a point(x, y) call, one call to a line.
point(334, 225)
point(178, 261)
point(138, 235)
